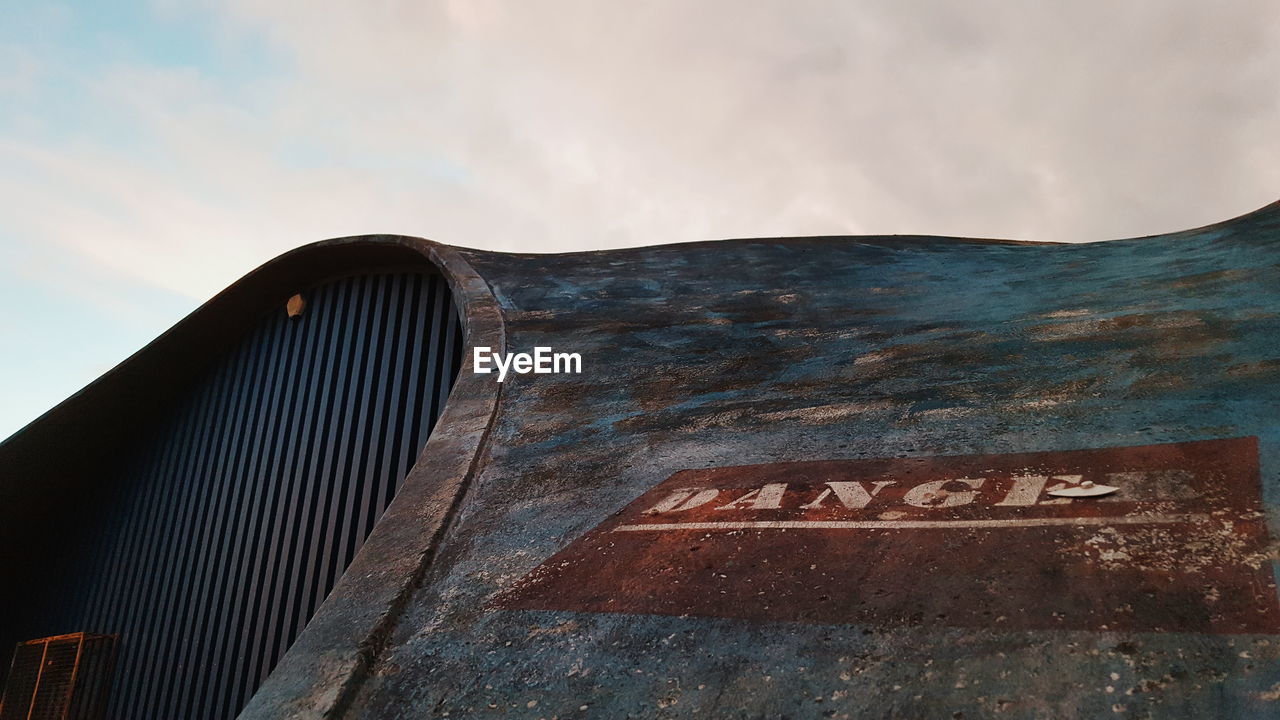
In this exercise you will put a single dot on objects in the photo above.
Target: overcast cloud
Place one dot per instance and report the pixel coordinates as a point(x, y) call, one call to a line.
point(149, 157)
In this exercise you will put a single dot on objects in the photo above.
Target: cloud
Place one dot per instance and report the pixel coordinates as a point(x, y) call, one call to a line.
point(595, 125)
point(574, 125)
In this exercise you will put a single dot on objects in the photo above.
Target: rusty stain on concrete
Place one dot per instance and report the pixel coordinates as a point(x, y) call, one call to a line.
point(973, 541)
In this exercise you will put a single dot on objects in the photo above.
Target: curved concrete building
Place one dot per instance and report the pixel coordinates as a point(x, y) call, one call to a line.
point(839, 477)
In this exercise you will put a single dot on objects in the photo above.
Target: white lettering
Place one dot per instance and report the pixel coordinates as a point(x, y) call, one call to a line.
point(935, 494)
point(684, 499)
point(1072, 479)
point(503, 363)
point(768, 497)
point(852, 494)
point(1027, 488)
point(543, 361)
point(566, 358)
point(1025, 491)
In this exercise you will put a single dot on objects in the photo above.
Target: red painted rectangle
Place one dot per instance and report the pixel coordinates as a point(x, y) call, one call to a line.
point(970, 541)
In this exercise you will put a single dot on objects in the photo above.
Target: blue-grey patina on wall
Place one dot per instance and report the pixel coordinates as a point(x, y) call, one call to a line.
point(812, 382)
point(757, 352)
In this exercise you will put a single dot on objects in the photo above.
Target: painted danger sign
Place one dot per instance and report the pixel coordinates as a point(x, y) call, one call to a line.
point(971, 541)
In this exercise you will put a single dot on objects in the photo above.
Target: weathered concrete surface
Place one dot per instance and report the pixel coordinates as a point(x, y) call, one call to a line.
point(765, 351)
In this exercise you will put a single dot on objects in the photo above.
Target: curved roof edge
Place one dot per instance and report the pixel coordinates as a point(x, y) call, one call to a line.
point(1272, 208)
point(1268, 209)
point(321, 673)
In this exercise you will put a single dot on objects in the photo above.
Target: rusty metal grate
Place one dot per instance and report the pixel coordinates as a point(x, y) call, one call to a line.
point(64, 677)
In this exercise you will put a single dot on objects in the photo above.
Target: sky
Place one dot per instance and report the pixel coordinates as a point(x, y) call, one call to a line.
point(154, 151)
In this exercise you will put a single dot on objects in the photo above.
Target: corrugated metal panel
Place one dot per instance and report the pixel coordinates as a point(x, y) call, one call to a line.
point(238, 517)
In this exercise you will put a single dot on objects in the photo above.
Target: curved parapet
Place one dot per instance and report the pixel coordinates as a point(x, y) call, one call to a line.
point(329, 661)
